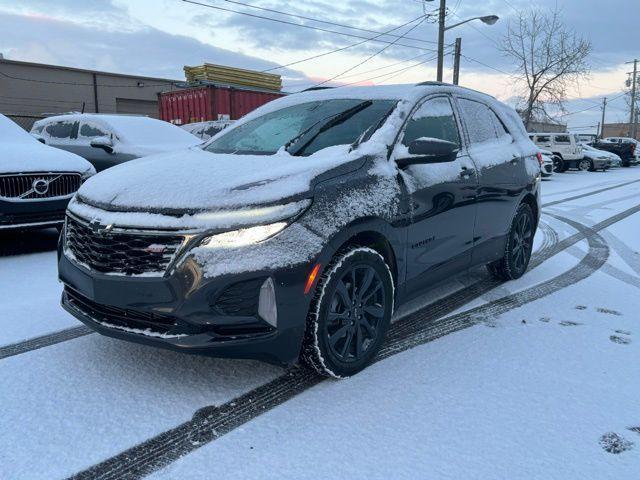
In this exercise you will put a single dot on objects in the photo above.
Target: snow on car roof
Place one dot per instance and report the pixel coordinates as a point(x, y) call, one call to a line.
point(134, 129)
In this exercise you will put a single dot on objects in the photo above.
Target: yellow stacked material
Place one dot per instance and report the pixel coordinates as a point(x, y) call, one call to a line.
point(234, 76)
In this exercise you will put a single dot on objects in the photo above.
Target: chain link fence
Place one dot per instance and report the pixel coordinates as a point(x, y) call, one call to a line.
point(25, 121)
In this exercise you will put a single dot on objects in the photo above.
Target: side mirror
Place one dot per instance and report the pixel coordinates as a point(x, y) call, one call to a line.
point(429, 150)
point(105, 143)
point(39, 138)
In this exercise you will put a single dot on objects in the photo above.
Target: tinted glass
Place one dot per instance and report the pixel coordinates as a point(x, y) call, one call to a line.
point(61, 129)
point(91, 131)
point(434, 119)
point(543, 139)
point(562, 139)
point(268, 133)
point(480, 121)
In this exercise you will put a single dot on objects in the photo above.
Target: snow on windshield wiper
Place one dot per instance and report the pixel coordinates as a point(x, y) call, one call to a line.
point(323, 125)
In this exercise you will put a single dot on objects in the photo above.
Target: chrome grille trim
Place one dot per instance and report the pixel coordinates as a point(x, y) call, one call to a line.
point(18, 187)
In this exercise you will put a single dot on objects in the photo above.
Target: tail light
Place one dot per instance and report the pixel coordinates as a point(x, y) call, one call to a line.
point(633, 149)
point(540, 160)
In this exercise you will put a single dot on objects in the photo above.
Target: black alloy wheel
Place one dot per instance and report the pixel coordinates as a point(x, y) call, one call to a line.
point(518, 247)
point(351, 314)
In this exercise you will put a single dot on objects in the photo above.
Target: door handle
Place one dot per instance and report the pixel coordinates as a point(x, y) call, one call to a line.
point(467, 172)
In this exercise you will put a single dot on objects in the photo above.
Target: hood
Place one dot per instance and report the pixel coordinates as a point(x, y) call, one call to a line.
point(23, 157)
point(195, 180)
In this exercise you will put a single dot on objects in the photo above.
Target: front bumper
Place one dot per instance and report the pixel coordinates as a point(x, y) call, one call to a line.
point(182, 311)
point(32, 213)
point(600, 164)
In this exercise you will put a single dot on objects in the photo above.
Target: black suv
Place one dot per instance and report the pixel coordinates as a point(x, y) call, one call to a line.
point(295, 232)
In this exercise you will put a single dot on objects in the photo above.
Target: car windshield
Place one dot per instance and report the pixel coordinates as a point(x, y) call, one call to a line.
point(312, 126)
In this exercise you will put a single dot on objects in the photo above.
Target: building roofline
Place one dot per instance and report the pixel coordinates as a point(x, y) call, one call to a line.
point(84, 70)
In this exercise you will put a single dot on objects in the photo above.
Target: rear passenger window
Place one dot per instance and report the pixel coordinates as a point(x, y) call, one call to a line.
point(562, 139)
point(434, 119)
point(543, 139)
point(482, 123)
point(61, 129)
point(92, 131)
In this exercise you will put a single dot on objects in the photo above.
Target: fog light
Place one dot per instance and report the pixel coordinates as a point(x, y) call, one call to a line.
point(267, 308)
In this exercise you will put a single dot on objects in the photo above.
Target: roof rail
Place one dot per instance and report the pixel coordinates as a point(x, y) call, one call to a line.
point(433, 82)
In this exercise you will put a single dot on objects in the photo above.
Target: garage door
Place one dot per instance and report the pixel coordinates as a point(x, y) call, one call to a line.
point(137, 107)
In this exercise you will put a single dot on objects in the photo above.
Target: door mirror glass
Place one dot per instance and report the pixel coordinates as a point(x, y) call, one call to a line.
point(429, 150)
point(105, 143)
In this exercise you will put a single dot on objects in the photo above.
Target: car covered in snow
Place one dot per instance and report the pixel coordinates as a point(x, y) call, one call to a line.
point(296, 231)
point(36, 181)
point(546, 160)
point(108, 140)
point(206, 130)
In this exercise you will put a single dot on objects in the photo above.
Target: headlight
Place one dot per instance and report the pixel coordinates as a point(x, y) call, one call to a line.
point(243, 237)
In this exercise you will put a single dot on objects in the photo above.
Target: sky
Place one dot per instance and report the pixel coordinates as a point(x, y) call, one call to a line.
point(159, 37)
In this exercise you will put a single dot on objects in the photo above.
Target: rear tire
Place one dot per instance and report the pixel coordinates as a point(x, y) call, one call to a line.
point(585, 165)
point(350, 314)
point(517, 251)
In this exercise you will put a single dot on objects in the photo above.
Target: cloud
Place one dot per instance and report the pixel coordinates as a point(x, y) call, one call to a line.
point(146, 51)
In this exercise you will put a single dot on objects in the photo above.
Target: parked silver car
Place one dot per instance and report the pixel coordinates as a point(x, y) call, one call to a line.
point(108, 140)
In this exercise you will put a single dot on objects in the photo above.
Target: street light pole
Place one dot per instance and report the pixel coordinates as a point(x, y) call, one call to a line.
point(441, 27)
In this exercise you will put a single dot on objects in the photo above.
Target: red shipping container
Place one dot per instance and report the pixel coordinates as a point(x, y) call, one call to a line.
point(211, 102)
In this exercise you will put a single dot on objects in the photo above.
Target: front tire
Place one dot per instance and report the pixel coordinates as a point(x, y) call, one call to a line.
point(558, 165)
point(350, 315)
point(518, 248)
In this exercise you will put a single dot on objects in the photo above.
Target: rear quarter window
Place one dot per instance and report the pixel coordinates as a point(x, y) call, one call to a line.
point(482, 123)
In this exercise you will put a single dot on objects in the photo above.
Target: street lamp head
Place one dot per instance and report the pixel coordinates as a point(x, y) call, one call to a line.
point(490, 19)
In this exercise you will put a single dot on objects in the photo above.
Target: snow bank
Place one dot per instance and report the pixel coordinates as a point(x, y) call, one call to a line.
point(21, 153)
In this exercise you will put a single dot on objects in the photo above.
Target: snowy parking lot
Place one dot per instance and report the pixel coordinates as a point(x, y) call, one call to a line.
point(535, 378)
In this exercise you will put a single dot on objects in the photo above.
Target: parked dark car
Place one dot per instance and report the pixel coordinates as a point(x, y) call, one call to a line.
point(108, 140)
point(296, 231)
point(626, 151)
point(36, 181)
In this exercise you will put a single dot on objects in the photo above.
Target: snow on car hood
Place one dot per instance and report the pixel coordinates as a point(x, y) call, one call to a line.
point(21, 153)
point(195, 180)
point(36, 157)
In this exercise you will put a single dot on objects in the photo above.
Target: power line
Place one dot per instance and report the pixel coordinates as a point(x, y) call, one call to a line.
point(373, 55)
point(301, 25)
point(302, 17)
point(589, 108)
point(313, 57)
point(484, 64)
point(366, 71)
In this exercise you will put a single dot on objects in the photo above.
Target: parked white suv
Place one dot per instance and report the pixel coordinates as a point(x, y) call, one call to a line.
point(565, 147)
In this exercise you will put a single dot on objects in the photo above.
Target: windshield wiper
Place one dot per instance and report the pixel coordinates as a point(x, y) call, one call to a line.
point(322, 125)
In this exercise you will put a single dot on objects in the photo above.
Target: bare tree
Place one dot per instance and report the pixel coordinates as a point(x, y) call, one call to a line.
point(550, 58)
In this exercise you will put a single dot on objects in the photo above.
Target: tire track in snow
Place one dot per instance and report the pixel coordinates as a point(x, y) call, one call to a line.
point(588, 194)
point(43, 341)
point(210, 423)
point(58, 337)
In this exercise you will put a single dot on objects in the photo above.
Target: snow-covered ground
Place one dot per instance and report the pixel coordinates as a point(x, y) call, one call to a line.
point(536, 378)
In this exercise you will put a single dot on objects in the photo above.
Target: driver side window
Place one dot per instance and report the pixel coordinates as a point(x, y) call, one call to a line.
point(433, 119)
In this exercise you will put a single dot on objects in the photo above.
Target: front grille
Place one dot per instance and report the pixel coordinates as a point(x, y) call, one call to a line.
point(120, 317)
point(120, 253)
point(34, 186)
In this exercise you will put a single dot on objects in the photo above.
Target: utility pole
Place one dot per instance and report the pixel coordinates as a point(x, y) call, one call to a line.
point(441, 18)
point(632, 114)
point(456, 60)
point(604, 108)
